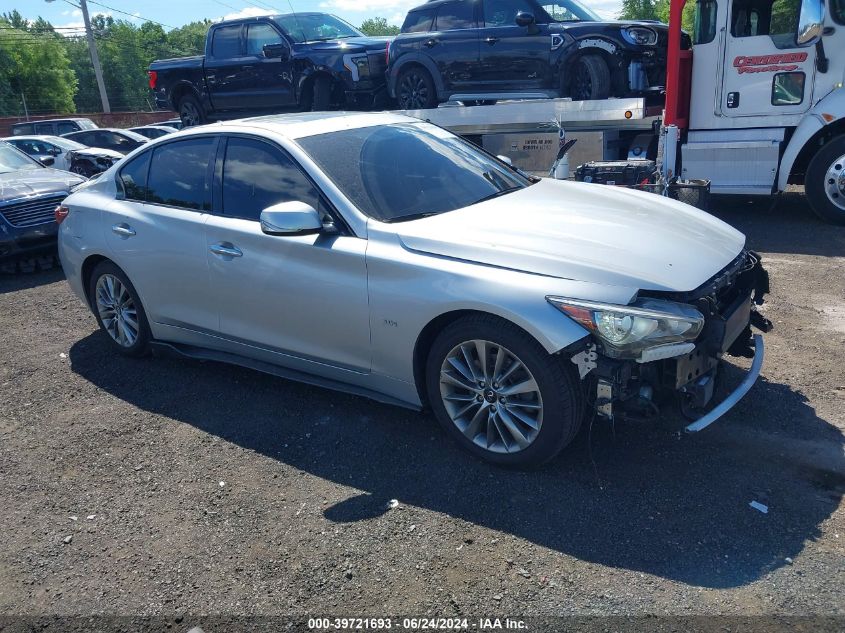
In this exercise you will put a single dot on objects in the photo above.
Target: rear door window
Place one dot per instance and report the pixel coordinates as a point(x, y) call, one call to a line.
point(226, 42)
point(418, 22)
point(133, 178)
point(66, 126)
point(458, 15)
point(257, 175)
point(178, 175)
point(44, 128)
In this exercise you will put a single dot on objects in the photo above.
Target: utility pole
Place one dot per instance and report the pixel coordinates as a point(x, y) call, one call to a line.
point(95, 58)
point(92, 49)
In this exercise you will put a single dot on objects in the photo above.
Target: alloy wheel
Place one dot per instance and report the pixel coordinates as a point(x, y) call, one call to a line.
point(189, 114)
point(491, 396)
point(117, 310)
point(413, 92)
point(582, 88)
point(835, 182)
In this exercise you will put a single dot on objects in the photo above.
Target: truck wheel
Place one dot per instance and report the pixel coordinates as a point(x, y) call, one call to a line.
point(190, 111)
point(824, 182)
point(321, 93)
point(415, 89)
point(499, 394)
point(590, 79)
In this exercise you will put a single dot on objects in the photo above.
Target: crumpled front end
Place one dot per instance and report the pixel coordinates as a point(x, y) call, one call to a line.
point(635, 385)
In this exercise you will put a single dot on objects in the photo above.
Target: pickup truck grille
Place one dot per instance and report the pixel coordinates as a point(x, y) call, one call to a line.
point(31, 212)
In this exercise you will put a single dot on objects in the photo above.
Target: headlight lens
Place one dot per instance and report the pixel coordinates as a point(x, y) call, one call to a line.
point(358, 65)
point(625, 331)
point(639, 35)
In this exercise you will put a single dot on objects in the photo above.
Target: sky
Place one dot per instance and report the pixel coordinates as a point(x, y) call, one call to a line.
point(173, 13)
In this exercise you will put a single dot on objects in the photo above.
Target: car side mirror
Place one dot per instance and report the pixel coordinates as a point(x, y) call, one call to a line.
point(810, 23)
point(505, 159)
point(276, 51)
point(290, 218)
point(47, 161)
point(523, 18)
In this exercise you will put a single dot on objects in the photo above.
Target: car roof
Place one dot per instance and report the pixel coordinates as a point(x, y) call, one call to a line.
point(72, 118)
point(32, 137)
point(157, 126)
point(303, 124)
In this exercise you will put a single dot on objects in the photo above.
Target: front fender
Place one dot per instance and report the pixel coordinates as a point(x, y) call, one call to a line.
point(830, 109)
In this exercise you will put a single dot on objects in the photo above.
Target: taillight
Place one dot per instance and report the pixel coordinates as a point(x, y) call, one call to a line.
point(153, 78)
point(61, 213)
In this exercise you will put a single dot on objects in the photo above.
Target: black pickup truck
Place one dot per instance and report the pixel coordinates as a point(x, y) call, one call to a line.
point(301, 61)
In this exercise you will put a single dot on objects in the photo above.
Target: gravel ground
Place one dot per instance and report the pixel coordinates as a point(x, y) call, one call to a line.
point(179, 488)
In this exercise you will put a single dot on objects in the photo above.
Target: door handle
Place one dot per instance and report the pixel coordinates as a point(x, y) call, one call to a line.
point(123, 230)
point(226, 249)
point(430, 43)
point(491, 40)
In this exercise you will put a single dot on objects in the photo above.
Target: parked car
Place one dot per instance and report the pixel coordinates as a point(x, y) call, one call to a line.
point(29, 195)
point(122, 141)
point(384, 256)
point(53, 127)
point(153, 131)
point(174, 123)
point(302, 61)
point(66, 154)
point(490, 49)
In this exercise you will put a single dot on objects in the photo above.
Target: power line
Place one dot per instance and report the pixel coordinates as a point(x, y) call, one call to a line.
point(131, 15)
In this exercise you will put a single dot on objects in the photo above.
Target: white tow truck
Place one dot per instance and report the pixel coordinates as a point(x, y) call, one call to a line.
point(755, 105)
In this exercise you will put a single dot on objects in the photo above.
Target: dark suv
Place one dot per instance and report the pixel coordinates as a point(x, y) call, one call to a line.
point(477, 50)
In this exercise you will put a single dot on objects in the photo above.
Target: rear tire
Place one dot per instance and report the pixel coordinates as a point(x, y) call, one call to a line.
point(529, 407)
point(590, 79)
point(118, 309)
point(415, 89)
point(824, 182)
point(190, 111)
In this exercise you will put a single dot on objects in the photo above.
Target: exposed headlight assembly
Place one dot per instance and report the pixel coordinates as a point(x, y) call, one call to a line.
point(639, 36)
point(625, 331)
point(357, 65)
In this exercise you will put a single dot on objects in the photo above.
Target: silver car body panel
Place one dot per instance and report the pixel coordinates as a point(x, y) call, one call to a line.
point(351, 308)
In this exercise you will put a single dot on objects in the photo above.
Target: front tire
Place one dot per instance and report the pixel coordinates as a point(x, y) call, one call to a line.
point(415, 89)
point(824, 182)
point(321, 94)
point(118, 310)
point(499, 394)
point(590, 79)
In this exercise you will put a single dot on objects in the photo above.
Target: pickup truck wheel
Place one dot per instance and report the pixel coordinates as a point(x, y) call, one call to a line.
point(321, 94)
point(190, 111)
point(824, 182)
point(499, 394)
point(415, 89)
point(590, 79)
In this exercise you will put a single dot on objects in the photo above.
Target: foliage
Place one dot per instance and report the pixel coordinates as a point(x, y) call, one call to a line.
point(657, 10)
point(378, 26)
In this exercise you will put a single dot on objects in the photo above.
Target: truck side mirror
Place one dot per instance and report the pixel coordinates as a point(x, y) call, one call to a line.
point(279, 51)
point(523, 18)
point(810, 23)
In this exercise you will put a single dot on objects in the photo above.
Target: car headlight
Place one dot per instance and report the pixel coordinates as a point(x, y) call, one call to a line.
point(625, 331)
point(639, 36)
point(358, 65)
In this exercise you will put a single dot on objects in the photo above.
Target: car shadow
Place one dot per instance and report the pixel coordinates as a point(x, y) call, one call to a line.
point(780, 224)
point(12, 282)
point(640, 496)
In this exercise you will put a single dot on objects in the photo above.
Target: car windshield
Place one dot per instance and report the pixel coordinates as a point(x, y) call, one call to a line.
point(400, 172)
point(65, 143)
point(14, 160)
point(569, 11)
point(315, 27)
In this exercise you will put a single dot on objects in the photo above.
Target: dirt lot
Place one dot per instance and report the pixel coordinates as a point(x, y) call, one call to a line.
point(182, 488)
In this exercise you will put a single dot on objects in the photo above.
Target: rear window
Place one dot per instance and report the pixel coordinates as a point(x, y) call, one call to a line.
point(178, 174)
point(25, 128)
point(133, 177)
point(418, 22)
point(459, 15)
point(226, 41)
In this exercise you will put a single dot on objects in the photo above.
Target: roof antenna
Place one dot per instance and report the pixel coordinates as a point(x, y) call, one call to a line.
point(296, 19)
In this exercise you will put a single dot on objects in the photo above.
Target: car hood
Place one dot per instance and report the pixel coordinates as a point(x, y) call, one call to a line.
point(97, 151)
point(584, 232)
point(33, 182)
point(350, 44)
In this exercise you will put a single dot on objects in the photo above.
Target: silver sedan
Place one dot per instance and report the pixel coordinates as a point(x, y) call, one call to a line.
point(383, 256)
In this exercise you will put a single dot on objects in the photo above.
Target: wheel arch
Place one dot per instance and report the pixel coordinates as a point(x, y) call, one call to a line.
point(87, 269)
point(180, 90)
point(409, 60)
point(563, 339)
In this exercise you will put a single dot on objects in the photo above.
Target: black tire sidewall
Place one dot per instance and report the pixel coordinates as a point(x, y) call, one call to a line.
point(599, 77)
point(142, 344)
point(562, 399)
point(814, 181)
point(193, 101)
point(321, 94)
point(429, 84)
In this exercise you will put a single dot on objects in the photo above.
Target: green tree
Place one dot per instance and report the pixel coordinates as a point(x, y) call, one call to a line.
point(378, 26)
point(638, 10)
point(34, 65)
point(687, 17)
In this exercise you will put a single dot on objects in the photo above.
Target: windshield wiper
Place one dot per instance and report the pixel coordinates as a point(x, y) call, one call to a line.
point(497, 194)
point(413, 216)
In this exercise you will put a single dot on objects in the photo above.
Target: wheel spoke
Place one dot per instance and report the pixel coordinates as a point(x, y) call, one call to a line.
point(469, 362)
point(472, 429)
point(458, 364)
point(526, 386)
point(481, 351)
point(455, 381)
point(522, 417)
point(516, 364)
point(513, 429)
